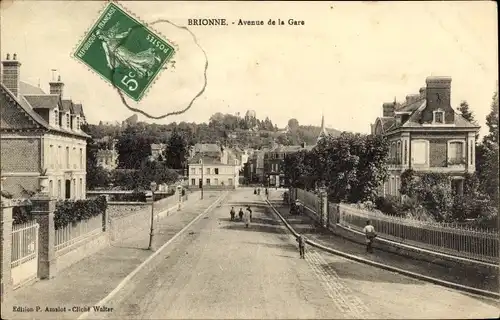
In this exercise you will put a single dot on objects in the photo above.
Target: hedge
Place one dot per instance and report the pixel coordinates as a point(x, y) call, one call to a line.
point(71, 211)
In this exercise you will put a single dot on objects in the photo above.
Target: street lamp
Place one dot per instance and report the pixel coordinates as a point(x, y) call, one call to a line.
point(151, 234)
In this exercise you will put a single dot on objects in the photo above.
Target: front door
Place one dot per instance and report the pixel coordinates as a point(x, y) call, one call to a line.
point(68, 189)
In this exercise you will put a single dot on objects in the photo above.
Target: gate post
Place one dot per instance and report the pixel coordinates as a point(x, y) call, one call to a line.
point(43, 213)
point(323, 206)
point(6, 252)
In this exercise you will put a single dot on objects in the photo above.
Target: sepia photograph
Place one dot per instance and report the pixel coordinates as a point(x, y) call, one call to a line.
point(249, 159)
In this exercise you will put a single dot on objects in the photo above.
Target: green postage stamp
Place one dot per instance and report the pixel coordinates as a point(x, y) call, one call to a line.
point(124, 51)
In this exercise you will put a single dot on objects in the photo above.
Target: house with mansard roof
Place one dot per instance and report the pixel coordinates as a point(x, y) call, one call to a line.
point(427, 135)
point(42, 142)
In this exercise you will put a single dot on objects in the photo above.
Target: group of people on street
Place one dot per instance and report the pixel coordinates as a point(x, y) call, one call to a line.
point(257, 192)
point(245, 216)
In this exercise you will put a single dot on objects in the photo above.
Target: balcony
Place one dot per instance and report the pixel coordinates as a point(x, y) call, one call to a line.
point(456, 163)
point(394, 163)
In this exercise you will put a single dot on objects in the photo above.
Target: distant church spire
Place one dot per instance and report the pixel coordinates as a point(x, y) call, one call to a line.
point(322, 132)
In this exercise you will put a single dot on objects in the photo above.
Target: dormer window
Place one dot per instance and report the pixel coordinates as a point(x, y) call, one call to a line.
point(77, 123)
point(438, 117)
point(68, 121)
point(56, 117)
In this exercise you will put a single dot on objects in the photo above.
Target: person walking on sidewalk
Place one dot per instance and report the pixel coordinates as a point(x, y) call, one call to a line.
point(302, 246)
point(370, 234)
point(232, 213)
point(240, 213)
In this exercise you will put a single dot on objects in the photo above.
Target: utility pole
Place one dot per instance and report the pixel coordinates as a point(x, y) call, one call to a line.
point(202, 169)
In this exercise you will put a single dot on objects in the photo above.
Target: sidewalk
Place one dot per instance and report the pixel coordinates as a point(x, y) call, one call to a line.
point(468, 276)
point(90, 280)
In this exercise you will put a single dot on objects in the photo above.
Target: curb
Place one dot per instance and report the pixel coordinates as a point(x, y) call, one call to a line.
point(154, 254)
point(482, 293)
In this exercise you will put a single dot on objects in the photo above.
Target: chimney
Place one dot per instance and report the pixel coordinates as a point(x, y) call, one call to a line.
point(438, 92)
point(412, 98)
point(388, 109)
point(422, 92)
point(11, 74)
point(56, 87)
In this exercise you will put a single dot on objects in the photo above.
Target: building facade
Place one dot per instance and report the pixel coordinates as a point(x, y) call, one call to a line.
point(213, 172)
point(427, 135)
point(41, 138)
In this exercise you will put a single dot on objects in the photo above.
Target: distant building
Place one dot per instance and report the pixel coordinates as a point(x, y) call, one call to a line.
point(157, 150)
point(209, 149)
point(43, 145)
point(427, 135)
point(130, 121)
point(107, 158)
point(322, 133)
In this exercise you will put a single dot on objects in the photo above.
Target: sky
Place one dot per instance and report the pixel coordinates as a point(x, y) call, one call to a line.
point(344, 62)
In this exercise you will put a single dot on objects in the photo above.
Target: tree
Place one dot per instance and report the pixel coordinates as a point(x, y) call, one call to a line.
point(350, 166)
point(466, 112)
point(176, 151)
point(293, 124)
point(133, 147)
point(487, 156)
point(468, 115)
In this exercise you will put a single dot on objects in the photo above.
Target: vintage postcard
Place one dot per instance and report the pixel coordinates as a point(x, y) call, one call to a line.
point(249, 160)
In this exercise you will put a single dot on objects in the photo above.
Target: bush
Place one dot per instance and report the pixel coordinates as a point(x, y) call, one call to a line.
point(71, 211)
point(22, 213)
point(388, 205)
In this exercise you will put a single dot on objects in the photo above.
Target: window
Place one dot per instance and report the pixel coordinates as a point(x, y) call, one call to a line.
point(419, 152)
point(51, 156)
point(471, 154)
point(193, 182)
point(56, 117)
point(200, 171)
point(216, 170)
point(398, 153)
point(67, 157)
point(59, 188)
point(67, 121)
point(406, 153)
point(59, 157)
point(208, 182)
point(51, 187)
point(77, 123)
point(392, 186)
point(455, 152)
point(71, 121)
point(193, 170)
point(216, 181)
point(208, 170)
point(82, 192)
point(74, 188)
point(73, 155)
point(81, 158)
point(439, 116)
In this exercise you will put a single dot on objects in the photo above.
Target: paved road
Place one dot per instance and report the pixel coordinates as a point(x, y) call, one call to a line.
point(219, 269)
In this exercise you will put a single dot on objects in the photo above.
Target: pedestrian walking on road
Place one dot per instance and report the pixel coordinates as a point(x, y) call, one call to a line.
point(302, 246)
point(370, 234)
point(246, 218)
point(240, 213)
point(233, 213)
point(249, 212)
